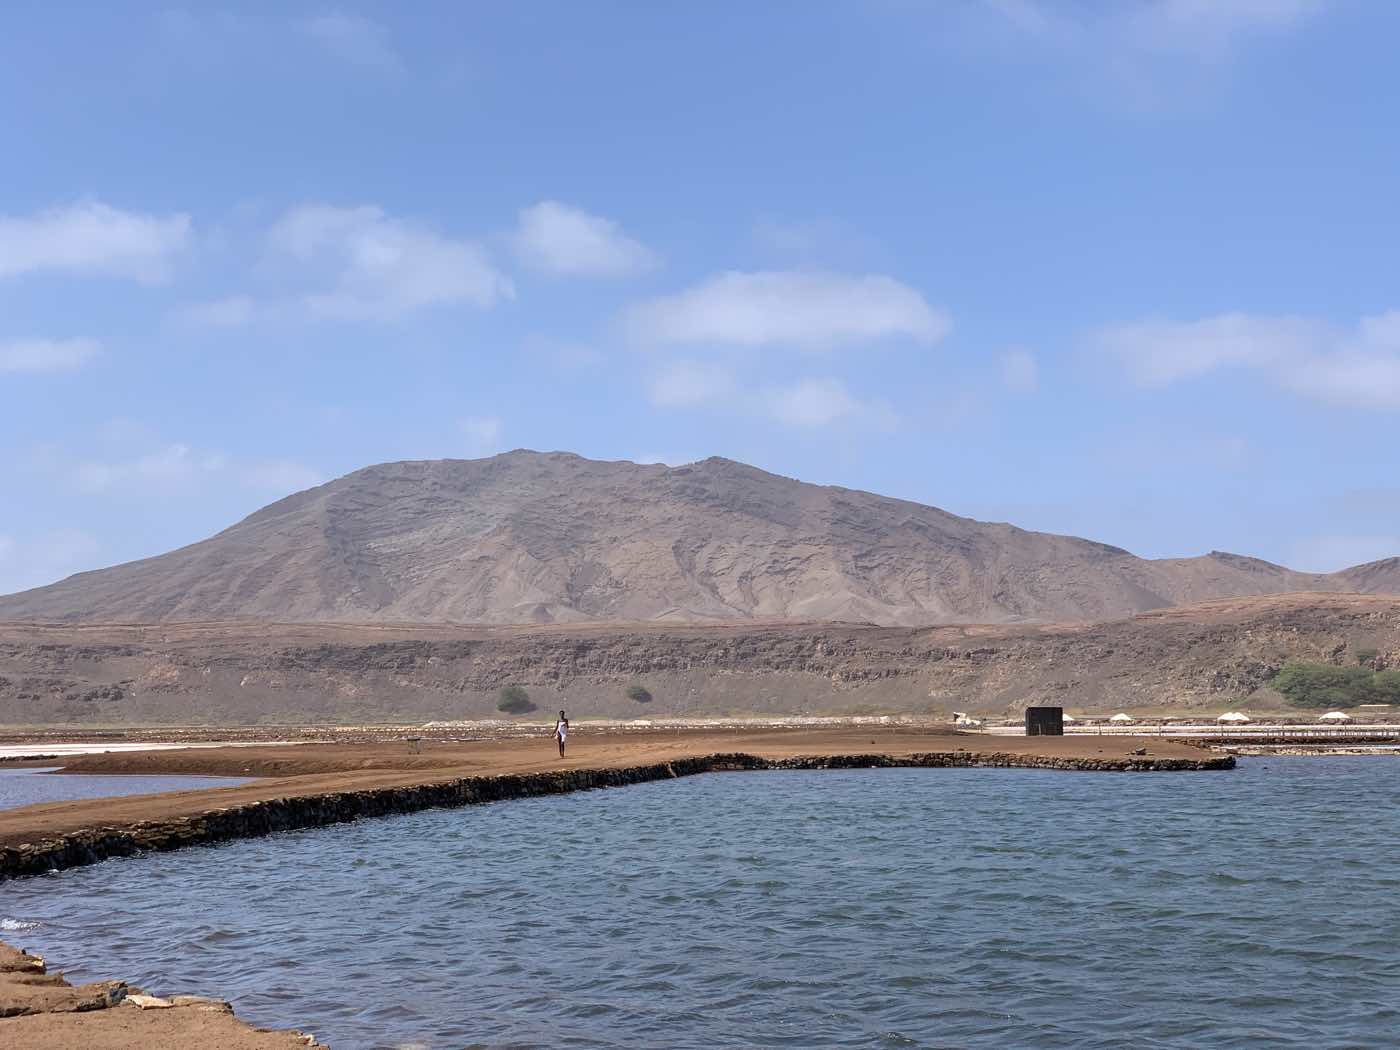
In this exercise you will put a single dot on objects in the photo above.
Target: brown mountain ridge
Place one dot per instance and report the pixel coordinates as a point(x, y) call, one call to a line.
point(529, 537)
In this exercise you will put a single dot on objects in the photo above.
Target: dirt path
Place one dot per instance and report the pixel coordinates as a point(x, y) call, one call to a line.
point(322, 768)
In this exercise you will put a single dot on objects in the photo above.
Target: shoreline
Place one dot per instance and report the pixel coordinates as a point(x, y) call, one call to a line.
point(305, 786)
point(42, 1010)
point(319, 785)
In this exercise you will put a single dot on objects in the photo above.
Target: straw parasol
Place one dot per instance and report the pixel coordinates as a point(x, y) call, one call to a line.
point(1123, 719)
point(1335, 716)
point(1068, 719)
point(1234, 718)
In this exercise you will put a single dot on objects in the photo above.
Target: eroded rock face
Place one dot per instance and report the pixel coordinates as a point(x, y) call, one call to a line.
point(530, 537)
point(226, 673)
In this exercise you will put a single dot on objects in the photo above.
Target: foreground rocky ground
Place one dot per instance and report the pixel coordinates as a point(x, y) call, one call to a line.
point(1197, 657)
point(42, 1011)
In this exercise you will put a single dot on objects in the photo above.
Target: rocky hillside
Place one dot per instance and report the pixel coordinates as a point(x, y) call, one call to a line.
point(1207, 657)
point(528, 537)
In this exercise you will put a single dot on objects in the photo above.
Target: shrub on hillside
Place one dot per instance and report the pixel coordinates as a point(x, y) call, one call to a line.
point(638, 693)
point(1326, 685)
point(514, 700)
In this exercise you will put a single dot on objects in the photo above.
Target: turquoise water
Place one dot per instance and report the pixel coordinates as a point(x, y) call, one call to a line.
point(25, 787)
point(874, 908)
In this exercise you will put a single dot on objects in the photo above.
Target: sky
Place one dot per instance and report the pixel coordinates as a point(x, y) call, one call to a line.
point(1125, 270)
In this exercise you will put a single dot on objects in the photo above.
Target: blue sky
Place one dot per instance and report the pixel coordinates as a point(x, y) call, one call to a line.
point(1124, 270)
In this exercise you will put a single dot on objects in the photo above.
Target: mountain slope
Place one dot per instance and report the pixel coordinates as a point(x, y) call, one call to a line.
point(530, 537)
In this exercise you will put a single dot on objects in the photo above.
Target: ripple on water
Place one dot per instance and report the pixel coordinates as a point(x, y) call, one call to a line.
point(931, 908)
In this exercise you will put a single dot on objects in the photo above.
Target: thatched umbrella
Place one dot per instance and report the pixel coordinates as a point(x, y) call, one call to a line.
point(1123, 719)
point(1335, 716)
point(1234, 718)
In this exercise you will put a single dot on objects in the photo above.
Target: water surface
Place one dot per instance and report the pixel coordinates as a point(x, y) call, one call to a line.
point(24, 787)
point(872, 908)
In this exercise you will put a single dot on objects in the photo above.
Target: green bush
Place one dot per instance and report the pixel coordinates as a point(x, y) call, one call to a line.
point(514, 700)
point(1386, 686)
point(1326, 685)
point(1366, 657)
point(638, 693)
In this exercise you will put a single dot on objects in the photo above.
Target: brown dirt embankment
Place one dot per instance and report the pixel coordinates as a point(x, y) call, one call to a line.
point(41, 1011)
point(311, 785)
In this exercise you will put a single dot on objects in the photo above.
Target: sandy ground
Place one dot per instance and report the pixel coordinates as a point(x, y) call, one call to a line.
point(42, 1011)
point(313, 768)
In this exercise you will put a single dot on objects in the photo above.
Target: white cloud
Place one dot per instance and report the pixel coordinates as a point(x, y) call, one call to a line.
point(1206, 30)
point(812, 243)
point(383, 267)
point(814, 403)
point(46, 355)
point(172, 464)
point(482, 434)
point(205, 38)
point(1359, 367)
point(352, 38)
point(93, 237)
point(1019, 370)
point(789, 308)
point(687, 384)
point(1331, 553)
point(560, 239)
point(177, 465)
point(1124, 54)
point(229, 312)
point(1158, 352)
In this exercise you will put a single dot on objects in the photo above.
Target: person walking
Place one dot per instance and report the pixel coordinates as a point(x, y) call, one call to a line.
point(561, 732)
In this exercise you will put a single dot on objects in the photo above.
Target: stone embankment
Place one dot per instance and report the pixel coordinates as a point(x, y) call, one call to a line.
point(292, 812)
point(42, 1010)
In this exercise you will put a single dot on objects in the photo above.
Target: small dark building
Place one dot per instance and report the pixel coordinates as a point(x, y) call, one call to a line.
point(1045, 721)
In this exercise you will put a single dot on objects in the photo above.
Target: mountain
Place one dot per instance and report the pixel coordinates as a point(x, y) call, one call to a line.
point(528, 537)
point(1206, 658)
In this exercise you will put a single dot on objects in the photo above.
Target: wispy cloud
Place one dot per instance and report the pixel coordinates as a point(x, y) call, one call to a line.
point(813, 403)
point(352, 38)
point(172, 463)
point(1129, 53)
point(382, 267)
point(205, 36)
point(482, 435)
point(1019, 370)
point(559, 239)
point(176, 465)
point(93, 237)
point(687, 383)
point(789, 308)
point(808, 403)
point(1202, 28)
point(46, 355)
point(1357, 367)
point(231, 311)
